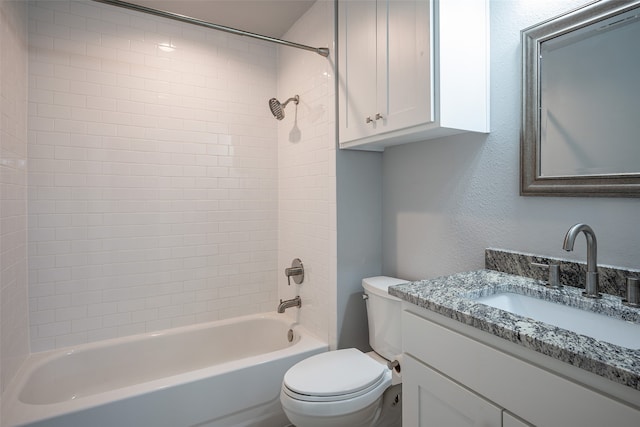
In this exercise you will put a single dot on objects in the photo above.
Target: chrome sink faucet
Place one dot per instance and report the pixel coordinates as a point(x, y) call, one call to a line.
point(295, 302)
point(591, 284)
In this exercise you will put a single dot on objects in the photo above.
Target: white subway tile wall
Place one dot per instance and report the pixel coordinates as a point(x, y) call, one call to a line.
point(307, 184)
point(14, 331)
point(153, 174)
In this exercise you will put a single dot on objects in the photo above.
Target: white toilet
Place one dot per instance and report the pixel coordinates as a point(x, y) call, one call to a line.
point(347, 387)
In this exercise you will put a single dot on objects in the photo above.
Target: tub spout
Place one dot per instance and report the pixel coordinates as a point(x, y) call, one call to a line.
point(295, 302)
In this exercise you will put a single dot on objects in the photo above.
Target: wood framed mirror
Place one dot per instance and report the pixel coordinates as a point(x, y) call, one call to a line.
point(581, 103)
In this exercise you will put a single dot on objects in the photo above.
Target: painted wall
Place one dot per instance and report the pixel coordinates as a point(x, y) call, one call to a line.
point(307, 172)
point(152, 174)
point(447, 200)
point(14, 332)
point(359, 196)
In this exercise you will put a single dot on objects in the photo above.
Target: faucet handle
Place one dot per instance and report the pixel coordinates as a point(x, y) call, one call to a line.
point(554, 274)
point(633, 292)
point(296, 271)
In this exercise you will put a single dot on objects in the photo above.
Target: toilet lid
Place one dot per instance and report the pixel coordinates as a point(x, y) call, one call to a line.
point(334, 373)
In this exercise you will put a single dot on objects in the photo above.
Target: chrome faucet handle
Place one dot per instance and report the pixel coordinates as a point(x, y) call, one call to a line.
point(296, 271)
point(553, 281)
point(633, 292)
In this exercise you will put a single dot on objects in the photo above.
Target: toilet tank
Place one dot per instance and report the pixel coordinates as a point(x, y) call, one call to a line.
point(383, 313)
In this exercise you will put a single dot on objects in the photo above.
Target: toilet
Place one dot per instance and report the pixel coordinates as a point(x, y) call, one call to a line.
point(348, 387)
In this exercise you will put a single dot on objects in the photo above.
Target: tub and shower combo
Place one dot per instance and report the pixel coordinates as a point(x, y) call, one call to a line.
point(219, 374)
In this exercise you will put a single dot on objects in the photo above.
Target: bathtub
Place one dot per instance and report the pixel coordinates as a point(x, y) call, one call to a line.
point(218, 374)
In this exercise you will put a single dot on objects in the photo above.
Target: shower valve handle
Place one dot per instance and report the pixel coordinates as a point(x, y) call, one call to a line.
point(296, 271)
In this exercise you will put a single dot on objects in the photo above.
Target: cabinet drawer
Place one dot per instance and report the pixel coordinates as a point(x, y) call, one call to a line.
point(535, 394)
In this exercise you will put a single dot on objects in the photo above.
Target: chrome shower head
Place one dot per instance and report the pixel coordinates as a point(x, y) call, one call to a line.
point(277, 109)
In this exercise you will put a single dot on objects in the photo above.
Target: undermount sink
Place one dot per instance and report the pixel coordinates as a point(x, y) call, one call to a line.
point(598, 326)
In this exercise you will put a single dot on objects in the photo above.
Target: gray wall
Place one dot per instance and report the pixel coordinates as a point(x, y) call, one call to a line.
point(446, 200)
point(359, 224)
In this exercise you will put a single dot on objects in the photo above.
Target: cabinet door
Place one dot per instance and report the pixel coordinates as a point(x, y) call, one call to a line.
point(405, 57)
point(431, 399)
point(357, 64)
point(509, 420)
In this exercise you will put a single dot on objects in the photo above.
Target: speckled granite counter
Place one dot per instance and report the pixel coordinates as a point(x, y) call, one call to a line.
point(452, 296)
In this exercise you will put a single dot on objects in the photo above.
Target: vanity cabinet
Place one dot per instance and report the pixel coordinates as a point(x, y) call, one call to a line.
point(451, 376)
point(411, 70)
point(428, 397)
point(509, 420)
point(432, 399)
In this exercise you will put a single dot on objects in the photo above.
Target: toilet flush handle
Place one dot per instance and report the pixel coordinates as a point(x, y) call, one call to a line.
point(394, 366)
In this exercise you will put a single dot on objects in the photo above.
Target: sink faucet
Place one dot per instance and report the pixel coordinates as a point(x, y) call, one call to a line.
point(295, 302)
point(591, 284)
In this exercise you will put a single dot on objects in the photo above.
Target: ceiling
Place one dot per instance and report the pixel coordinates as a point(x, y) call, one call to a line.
point(266, 17)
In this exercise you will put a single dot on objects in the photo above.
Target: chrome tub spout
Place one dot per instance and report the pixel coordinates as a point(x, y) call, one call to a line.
point(295, 302)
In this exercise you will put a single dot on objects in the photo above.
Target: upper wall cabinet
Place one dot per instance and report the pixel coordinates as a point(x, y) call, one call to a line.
point(411, 70)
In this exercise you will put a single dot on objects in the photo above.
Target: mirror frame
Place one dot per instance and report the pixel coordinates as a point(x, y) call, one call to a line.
point(531, 183)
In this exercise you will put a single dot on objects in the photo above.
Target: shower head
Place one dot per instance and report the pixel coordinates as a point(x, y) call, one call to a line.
point(277, 109)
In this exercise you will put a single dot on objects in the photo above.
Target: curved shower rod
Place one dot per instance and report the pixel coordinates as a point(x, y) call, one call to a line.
point(322, 51)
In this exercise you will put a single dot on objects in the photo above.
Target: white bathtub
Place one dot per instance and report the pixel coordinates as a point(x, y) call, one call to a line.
point(219, 374)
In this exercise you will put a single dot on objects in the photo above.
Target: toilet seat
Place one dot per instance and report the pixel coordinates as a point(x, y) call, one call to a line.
point(350, 382)
point(334, 376)
point(333, 398)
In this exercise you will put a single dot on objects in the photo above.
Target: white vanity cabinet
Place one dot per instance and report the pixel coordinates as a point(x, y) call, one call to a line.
point(411, 70)
point(508, 420)
point(452, 376)
point(430, 399)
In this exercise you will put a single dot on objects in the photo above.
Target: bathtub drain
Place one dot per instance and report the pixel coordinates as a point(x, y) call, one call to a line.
point(290, 335)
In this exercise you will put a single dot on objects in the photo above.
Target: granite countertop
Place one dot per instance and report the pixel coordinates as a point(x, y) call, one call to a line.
point(452, 296)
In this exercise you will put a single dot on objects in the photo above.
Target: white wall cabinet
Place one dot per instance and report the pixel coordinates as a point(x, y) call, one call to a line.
point(452, 378)
point(411, 70)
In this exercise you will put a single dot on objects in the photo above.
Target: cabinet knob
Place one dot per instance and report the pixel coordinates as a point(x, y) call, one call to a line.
point(379, 116)
point(368, 120)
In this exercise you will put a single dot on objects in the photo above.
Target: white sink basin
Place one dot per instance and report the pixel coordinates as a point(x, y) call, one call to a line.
point(594, 325)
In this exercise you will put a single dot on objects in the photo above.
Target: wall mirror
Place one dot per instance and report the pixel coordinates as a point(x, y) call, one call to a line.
point(581, 103)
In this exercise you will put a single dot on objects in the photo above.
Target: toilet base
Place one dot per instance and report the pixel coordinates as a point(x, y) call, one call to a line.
point(385, 412)
point(365, 417)
point(391, 415)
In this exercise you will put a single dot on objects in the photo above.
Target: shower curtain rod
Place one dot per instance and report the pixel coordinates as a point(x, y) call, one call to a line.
point(322, 51)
